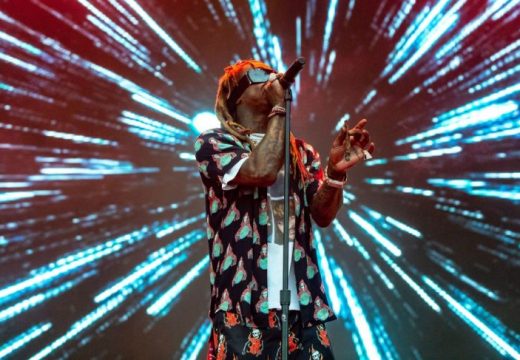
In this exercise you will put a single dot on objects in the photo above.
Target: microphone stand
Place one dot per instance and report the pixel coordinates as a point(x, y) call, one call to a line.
point(285, 293)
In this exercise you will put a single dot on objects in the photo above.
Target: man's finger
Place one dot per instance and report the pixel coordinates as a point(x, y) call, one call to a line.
point(340, 138)
point(355, 135)
point(371, 148)
point(361, 124)
point(365, 139)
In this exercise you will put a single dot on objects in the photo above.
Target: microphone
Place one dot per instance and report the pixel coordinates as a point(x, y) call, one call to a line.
point(290, 75)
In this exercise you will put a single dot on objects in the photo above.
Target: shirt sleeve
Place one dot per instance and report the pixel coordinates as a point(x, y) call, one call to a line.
point(311, 159)
point(231, 174)
point(217, 152)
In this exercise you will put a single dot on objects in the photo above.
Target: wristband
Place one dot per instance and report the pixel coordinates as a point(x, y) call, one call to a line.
point(334, 183)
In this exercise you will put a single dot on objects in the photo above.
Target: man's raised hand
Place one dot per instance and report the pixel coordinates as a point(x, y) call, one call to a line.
point(348, 149)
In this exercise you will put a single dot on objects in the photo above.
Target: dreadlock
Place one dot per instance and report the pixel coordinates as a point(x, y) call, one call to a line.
point(226, 84)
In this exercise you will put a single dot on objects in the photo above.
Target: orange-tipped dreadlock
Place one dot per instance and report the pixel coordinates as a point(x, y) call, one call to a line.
point(226, 84)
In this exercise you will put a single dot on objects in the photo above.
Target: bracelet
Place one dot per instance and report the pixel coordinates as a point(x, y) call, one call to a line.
point(334, 183)
point(276, 110)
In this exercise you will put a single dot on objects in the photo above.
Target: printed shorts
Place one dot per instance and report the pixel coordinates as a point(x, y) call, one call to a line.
point(230, 340)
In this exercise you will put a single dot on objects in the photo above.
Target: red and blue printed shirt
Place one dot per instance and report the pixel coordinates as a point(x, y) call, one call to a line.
point(237, 234)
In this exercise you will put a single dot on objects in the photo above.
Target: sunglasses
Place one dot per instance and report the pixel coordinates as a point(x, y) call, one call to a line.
point(252, 76)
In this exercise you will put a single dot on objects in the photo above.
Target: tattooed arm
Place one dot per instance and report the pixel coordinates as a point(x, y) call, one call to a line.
point(346, 151)
point(326, 202)
point(262, 166)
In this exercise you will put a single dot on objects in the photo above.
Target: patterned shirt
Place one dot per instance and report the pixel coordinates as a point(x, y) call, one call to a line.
point(237, 234)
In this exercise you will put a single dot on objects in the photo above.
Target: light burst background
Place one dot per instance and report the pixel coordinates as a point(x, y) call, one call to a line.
point(102, 241)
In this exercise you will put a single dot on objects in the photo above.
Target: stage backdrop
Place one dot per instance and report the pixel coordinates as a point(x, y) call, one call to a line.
point(103, 249)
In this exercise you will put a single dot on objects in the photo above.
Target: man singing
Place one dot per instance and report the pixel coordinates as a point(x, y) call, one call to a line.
point(241, 167)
